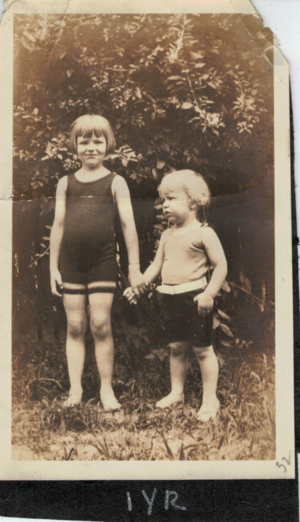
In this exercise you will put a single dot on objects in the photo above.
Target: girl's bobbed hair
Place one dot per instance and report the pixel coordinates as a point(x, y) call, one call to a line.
point(89, 124)
point(191, 182)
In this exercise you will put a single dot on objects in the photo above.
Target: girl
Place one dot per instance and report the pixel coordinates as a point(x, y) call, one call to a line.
point(83, 263)
point(186, 252)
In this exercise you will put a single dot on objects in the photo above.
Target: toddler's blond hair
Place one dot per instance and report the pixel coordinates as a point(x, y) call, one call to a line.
point(191, 182)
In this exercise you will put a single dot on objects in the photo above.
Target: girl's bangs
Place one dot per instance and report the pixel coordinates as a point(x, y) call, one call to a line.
point(87, 131)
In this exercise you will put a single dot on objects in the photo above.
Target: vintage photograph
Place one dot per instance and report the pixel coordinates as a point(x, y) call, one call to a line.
point(143, 239)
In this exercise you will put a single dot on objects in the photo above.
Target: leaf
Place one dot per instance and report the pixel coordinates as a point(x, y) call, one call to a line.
point(69, 72)
point(216, 321)
point(160, 353)
point(223, 315)
point(225, 343)
point(253, 374)
point(226, 329)
point(187, 105)
point(29, 36)
point(26, 43)
point(136, 343)
point(175, 78)
point(225, 286)
point(181, 453)
point(247, 284)
point(167, 446)
point(160, 164)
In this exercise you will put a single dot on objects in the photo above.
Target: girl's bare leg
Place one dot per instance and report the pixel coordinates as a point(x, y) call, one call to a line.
point(75, 307)
point(178, 370)
point(209, 368)
point(100, 310)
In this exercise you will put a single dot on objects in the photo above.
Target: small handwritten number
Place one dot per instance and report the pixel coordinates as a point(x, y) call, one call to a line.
point(281, 466)
point(288, 462)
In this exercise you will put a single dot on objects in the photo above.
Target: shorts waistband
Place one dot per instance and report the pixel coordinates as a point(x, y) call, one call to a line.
point(200, 284)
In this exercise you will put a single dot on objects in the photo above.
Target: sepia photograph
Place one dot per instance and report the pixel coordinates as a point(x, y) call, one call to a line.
point(147, 320)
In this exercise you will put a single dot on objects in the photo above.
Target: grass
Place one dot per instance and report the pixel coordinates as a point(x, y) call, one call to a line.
point(43, 430)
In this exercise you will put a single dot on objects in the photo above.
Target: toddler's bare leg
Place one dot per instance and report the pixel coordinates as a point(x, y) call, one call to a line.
point(100, 309)
point(178, 370)
point(75, 307)
point(209, 368)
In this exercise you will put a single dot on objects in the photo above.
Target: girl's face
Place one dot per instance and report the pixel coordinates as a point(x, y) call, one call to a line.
point(91, 151)
point(177, 208)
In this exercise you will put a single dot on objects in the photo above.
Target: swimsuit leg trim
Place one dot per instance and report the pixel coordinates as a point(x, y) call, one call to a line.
point(73, 288)
point(74, 291)
point(101, 287)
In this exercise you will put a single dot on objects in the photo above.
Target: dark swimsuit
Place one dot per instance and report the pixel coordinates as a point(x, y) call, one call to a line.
point(88, 248)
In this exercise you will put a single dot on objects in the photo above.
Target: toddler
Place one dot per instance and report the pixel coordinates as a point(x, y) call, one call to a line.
point(187, 251)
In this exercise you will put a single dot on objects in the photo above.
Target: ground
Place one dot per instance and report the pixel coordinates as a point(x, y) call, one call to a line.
point(244, 430)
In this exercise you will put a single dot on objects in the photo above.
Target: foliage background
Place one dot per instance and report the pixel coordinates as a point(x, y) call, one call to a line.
point(181, 91)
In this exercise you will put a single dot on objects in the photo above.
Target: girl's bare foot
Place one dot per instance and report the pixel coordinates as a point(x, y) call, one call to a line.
point(109, 401)
point(72, 400)
point(170, 400)
point(208, 411)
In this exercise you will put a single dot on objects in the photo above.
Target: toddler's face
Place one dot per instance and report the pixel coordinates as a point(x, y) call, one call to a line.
point(176, 207)
point(91, 151)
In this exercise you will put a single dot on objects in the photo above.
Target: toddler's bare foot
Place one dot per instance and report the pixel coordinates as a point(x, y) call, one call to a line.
point(109, 401)
point(170, 400)
point(72, 400)
point(208, 411)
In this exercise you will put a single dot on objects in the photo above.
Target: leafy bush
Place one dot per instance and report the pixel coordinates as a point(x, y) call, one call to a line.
point(180, 91)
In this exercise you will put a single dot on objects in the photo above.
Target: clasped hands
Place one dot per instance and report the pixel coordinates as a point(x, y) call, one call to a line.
point(138, 286)
point(204, 300)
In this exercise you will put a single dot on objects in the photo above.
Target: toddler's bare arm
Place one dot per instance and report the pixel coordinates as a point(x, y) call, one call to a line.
point(154, 270)
point(215, 253)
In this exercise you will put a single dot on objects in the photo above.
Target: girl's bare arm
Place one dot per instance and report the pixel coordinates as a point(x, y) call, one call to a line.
point(217, 258)
point(57, 234)
point(122, 197)
point(150, 275)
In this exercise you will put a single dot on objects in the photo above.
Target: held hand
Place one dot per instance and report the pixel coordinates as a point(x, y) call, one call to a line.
point(56, 283)
point(137, 281)
point(130, 295)
point(205, 303)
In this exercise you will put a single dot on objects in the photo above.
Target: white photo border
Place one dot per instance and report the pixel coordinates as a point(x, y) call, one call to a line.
point(75, 470)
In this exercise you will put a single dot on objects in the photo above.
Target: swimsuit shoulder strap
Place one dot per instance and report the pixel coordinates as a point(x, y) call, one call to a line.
point(70, 182)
